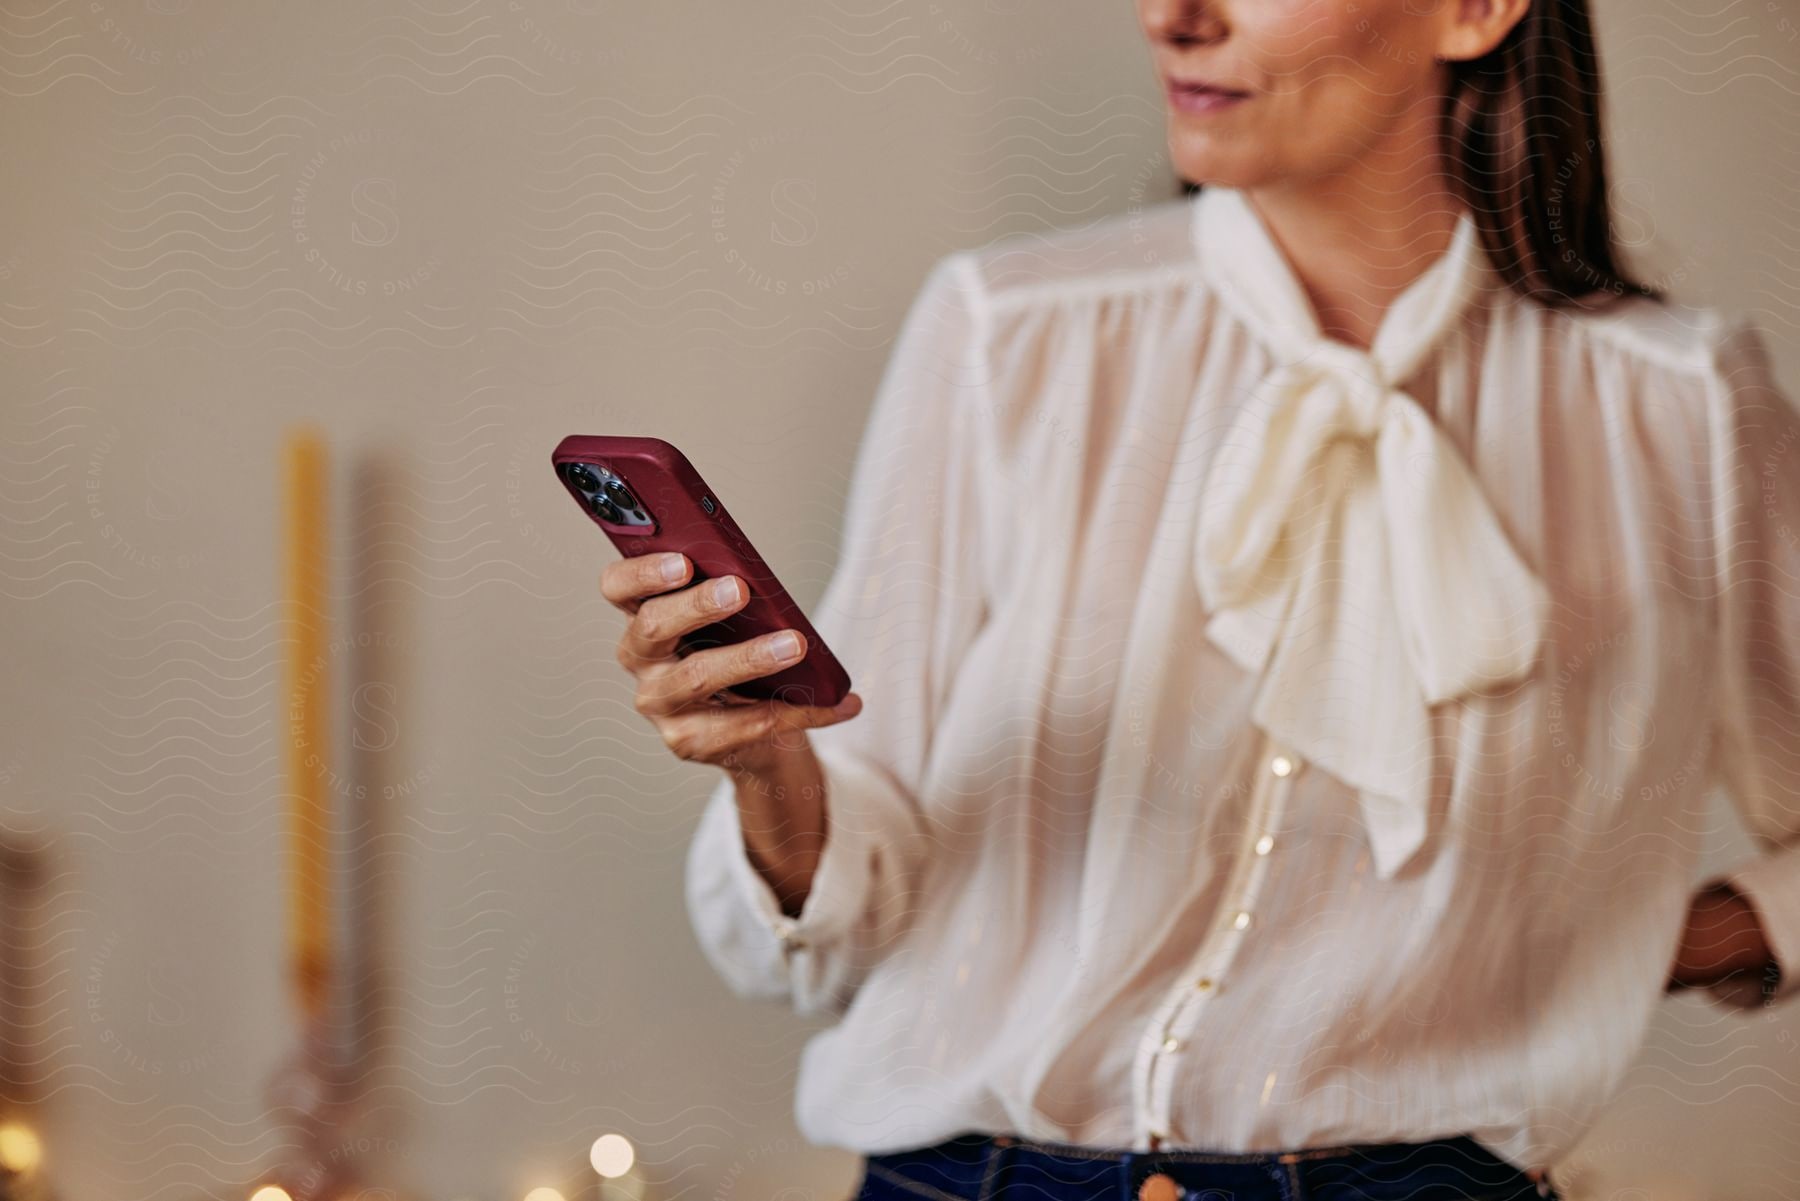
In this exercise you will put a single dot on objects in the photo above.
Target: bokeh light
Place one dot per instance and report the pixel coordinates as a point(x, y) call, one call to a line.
point(20, 1150)
point(612, 1155)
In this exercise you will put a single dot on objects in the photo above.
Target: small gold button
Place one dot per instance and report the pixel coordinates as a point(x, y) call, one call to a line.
point(1242, 919)
point(1203, 983)
point(1281, 765)
point(1160, 1187)
point(1171, 1043)
point(1265, 844)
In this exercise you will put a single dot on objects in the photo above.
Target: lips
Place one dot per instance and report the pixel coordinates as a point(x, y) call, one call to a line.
point(1204, 86)
point(1202, 96)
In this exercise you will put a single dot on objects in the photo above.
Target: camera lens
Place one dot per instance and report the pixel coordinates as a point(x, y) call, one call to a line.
point(582, 476)
point(621, 494)
point(605, 508)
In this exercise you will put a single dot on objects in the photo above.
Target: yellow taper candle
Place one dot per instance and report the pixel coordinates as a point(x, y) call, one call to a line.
point(309, 918)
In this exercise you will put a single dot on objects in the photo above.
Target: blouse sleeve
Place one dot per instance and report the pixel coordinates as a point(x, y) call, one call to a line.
point(1756, 448)
point(899, 612)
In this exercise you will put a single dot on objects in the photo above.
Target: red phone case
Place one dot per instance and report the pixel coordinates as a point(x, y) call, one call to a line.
point(686, 516)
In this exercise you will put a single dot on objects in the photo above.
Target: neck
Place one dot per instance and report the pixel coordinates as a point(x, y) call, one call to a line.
point(1357, 237)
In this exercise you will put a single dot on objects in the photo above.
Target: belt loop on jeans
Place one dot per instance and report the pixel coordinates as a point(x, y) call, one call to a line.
point(990, 1172)
point(1291, 1183)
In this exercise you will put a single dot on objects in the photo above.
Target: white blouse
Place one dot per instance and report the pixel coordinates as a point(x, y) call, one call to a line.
point(1268, 743)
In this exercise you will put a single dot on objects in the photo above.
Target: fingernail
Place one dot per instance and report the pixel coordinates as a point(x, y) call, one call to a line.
point(785, 645)
point(723, 590)
point(672, 568)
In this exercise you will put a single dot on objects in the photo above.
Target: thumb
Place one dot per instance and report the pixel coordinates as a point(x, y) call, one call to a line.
point(800, 717)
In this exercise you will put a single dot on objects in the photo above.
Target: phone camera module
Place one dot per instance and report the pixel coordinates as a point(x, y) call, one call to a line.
point(606, 495)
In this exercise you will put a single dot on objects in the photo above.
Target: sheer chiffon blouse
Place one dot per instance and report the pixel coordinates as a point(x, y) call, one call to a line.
point(1269, 744)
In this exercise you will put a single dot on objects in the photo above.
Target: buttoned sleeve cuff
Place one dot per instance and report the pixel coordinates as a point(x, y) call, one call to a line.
point(845, 871)
point(1771, 884)
point(860, 903)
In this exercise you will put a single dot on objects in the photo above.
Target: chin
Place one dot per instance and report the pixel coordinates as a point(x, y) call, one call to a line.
point(1231, 162)
point(1225, 171)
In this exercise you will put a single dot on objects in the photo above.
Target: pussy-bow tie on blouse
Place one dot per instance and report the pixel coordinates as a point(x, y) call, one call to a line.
point(1344, 547)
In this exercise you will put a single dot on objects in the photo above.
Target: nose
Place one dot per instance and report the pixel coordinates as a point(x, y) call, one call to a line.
point(1183, 22)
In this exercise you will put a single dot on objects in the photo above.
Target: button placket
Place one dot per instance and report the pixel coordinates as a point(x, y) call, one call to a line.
point(786, 929)
point(1165, 1036)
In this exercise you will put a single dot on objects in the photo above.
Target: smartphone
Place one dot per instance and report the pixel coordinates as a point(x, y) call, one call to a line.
point(646, 496)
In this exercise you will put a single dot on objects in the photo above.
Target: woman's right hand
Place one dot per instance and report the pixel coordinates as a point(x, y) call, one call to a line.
point(676, 693)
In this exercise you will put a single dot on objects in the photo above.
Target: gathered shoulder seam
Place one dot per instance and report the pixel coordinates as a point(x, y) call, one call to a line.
point(1050, 291)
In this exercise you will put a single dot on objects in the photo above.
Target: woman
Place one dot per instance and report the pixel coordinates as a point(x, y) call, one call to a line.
point(1299, 625)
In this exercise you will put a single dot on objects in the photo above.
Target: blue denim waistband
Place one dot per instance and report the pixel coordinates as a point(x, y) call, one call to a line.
point(985, 1167)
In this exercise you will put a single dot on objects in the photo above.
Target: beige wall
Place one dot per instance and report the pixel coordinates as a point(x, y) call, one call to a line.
point(452, 232)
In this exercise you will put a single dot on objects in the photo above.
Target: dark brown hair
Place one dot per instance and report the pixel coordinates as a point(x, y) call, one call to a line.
point(1522, 143)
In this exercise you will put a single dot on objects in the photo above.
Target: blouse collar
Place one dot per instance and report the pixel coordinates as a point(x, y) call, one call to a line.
point(1251, 276)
